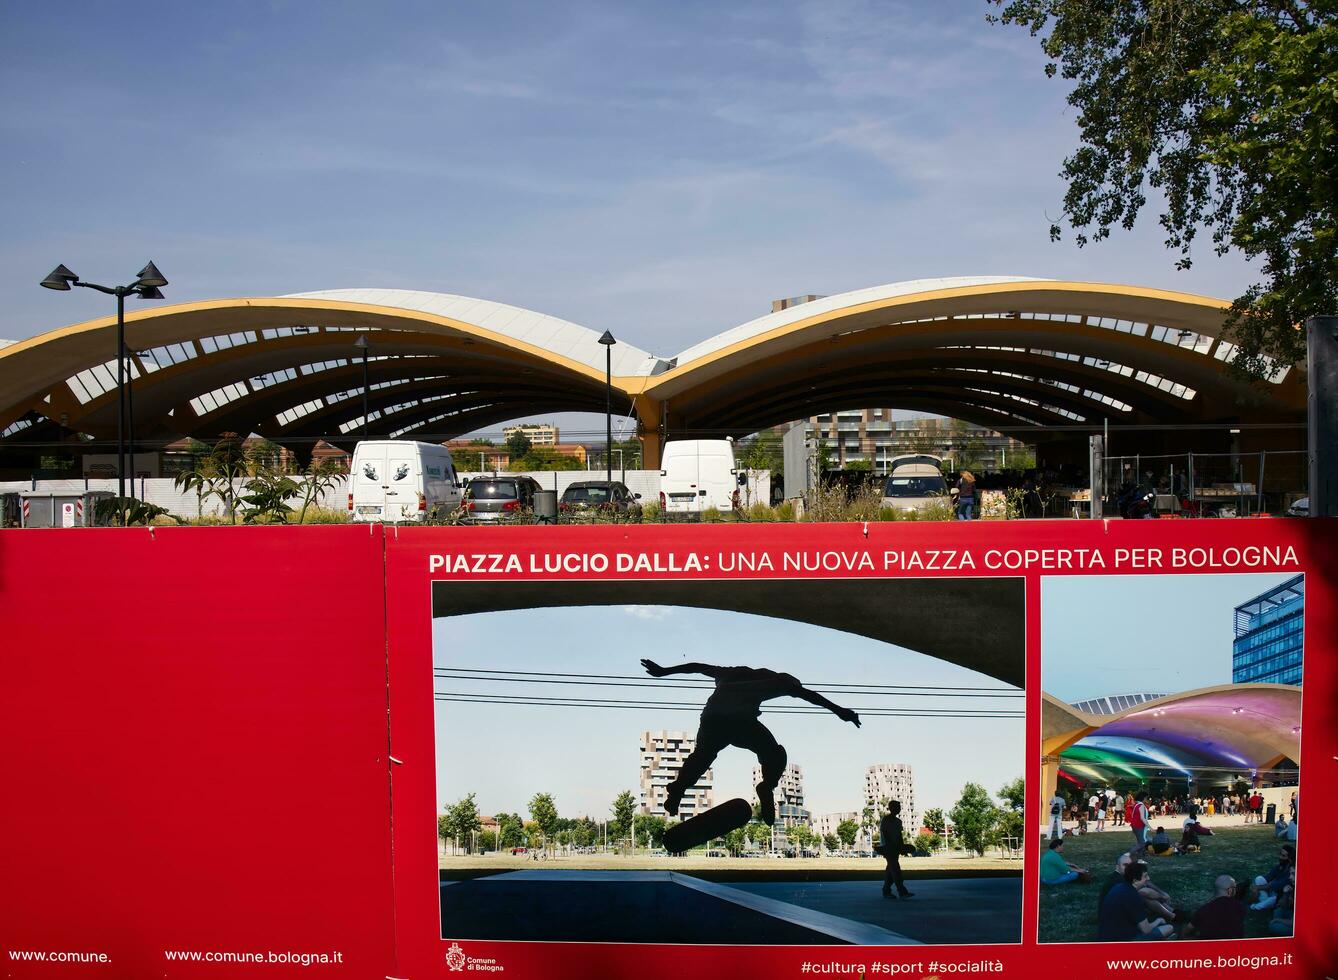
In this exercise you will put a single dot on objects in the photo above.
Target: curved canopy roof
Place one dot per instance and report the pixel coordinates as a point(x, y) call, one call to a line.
point(1000, 351)
point(1229, 727)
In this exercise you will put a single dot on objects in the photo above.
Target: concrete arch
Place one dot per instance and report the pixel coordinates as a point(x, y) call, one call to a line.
point(1085, 349)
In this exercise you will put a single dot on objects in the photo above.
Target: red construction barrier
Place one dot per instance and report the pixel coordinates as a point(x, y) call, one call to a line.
point(219, 742)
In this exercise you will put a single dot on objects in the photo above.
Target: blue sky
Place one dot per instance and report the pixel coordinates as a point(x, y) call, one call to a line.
point(585, 757)
point(1140, 634)
point(662, 171)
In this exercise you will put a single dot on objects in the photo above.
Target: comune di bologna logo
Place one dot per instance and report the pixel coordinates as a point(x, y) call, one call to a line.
point(455, 957)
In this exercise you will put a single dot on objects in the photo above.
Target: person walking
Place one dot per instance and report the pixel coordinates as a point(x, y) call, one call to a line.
point(890, 845)
point(1138, 824)
point(1119, 810)
point(1056, 828)
point(966, 496)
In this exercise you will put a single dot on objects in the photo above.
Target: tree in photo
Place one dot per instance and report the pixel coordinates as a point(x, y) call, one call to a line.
point(1227, 110)
point(974, 818)
point(933, 820)
point(831, 842)
point(1010, 825)
point(624, 808)
point(510, 830)
point(462, 820)
point(847, 831)
point(543, 811)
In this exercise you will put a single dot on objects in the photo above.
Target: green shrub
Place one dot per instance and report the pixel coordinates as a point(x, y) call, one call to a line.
point(325, 515)
point(712, 515)
point(650, 512)
point(784, 511)
point(761, 512)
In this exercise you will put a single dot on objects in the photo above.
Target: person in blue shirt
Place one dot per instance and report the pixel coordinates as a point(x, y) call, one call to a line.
point(1123, 916)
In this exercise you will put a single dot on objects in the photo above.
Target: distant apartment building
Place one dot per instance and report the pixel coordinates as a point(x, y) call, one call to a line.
point(1267, 647)
point(662, 756)
point(789, 798)
point(539, 433)
point(826, 823)
point(872, 434)
point(892, 781)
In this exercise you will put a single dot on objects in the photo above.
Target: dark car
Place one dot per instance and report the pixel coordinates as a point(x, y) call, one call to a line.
point(601, 495)
point(499, 498)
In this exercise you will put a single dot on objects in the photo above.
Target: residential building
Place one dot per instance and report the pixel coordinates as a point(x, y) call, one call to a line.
point(826, 823)
point(887, 781)
point(1267, 648)
point(662, 756)
point(539, 433)
point(789, 799)
point(473, 457)
point(873, 435)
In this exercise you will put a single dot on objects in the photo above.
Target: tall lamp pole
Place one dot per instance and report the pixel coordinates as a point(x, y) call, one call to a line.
point(608, 342)
point(362, 345)
point(145, 286)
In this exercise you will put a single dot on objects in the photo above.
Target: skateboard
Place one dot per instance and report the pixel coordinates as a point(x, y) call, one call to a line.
point(704, 826)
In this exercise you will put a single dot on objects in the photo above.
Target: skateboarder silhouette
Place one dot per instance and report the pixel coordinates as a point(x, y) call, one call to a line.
point(731, 718)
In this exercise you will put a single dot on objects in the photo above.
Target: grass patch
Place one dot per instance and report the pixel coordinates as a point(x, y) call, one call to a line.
point(1068, 912)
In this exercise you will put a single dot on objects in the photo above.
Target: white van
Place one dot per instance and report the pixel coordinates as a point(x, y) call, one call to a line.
point(394, 481)
point(699, 474)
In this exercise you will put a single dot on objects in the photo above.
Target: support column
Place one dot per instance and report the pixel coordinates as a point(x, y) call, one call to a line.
point(1049, 784)
point(648, 430)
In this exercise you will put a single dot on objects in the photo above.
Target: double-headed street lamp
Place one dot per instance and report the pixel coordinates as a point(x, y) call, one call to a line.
point(145, 286)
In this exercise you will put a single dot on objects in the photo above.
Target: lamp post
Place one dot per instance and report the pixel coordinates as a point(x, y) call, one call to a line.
point(362, 345)
point(145, 286)
point(608, 342)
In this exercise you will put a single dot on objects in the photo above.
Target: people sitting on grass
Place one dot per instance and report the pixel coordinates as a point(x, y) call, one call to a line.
point(1124, 917)
point(1280, 827)
point(1268, 887)
point(1057, 871)
point(1223, 917)
point(1157, 901)
point(1161, 845)
point(1282, 922)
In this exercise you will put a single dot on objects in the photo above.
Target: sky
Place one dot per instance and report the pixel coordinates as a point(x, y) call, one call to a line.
point(586, 756)
point(1140, 634)
point(660, 171)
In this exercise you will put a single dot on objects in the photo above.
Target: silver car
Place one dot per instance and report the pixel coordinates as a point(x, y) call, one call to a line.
point(490, 499)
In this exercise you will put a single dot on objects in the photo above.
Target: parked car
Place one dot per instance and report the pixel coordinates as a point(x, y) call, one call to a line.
point(600, 495)
point(915, 483)
point(1300, 508)
point(489, 499)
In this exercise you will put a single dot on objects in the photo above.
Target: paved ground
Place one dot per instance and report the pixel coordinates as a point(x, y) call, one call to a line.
point(980, 910)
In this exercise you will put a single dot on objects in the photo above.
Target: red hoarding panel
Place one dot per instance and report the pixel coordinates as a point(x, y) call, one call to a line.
point(199, 727)
point(715, 556)
point(194, 752)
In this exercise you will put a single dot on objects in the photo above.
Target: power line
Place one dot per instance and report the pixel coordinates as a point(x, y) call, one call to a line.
point(1007, 691)
point(553, 702)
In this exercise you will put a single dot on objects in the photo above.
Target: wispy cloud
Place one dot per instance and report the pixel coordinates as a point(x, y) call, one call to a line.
point(648, 613)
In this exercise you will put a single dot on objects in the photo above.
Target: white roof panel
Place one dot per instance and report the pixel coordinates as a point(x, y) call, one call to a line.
point(526, 326)
point(828, 304)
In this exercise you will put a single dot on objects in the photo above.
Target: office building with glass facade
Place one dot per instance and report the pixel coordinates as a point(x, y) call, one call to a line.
point(1267, 648)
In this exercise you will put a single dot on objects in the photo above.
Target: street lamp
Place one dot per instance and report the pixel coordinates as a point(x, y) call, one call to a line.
point(145, 286)
point(362, 345)
point(608, 342)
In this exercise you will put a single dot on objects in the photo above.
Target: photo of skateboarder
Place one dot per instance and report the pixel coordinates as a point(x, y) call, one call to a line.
point(730, 717)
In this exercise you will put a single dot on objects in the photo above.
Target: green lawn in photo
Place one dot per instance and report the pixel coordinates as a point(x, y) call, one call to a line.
point(1068, 912)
